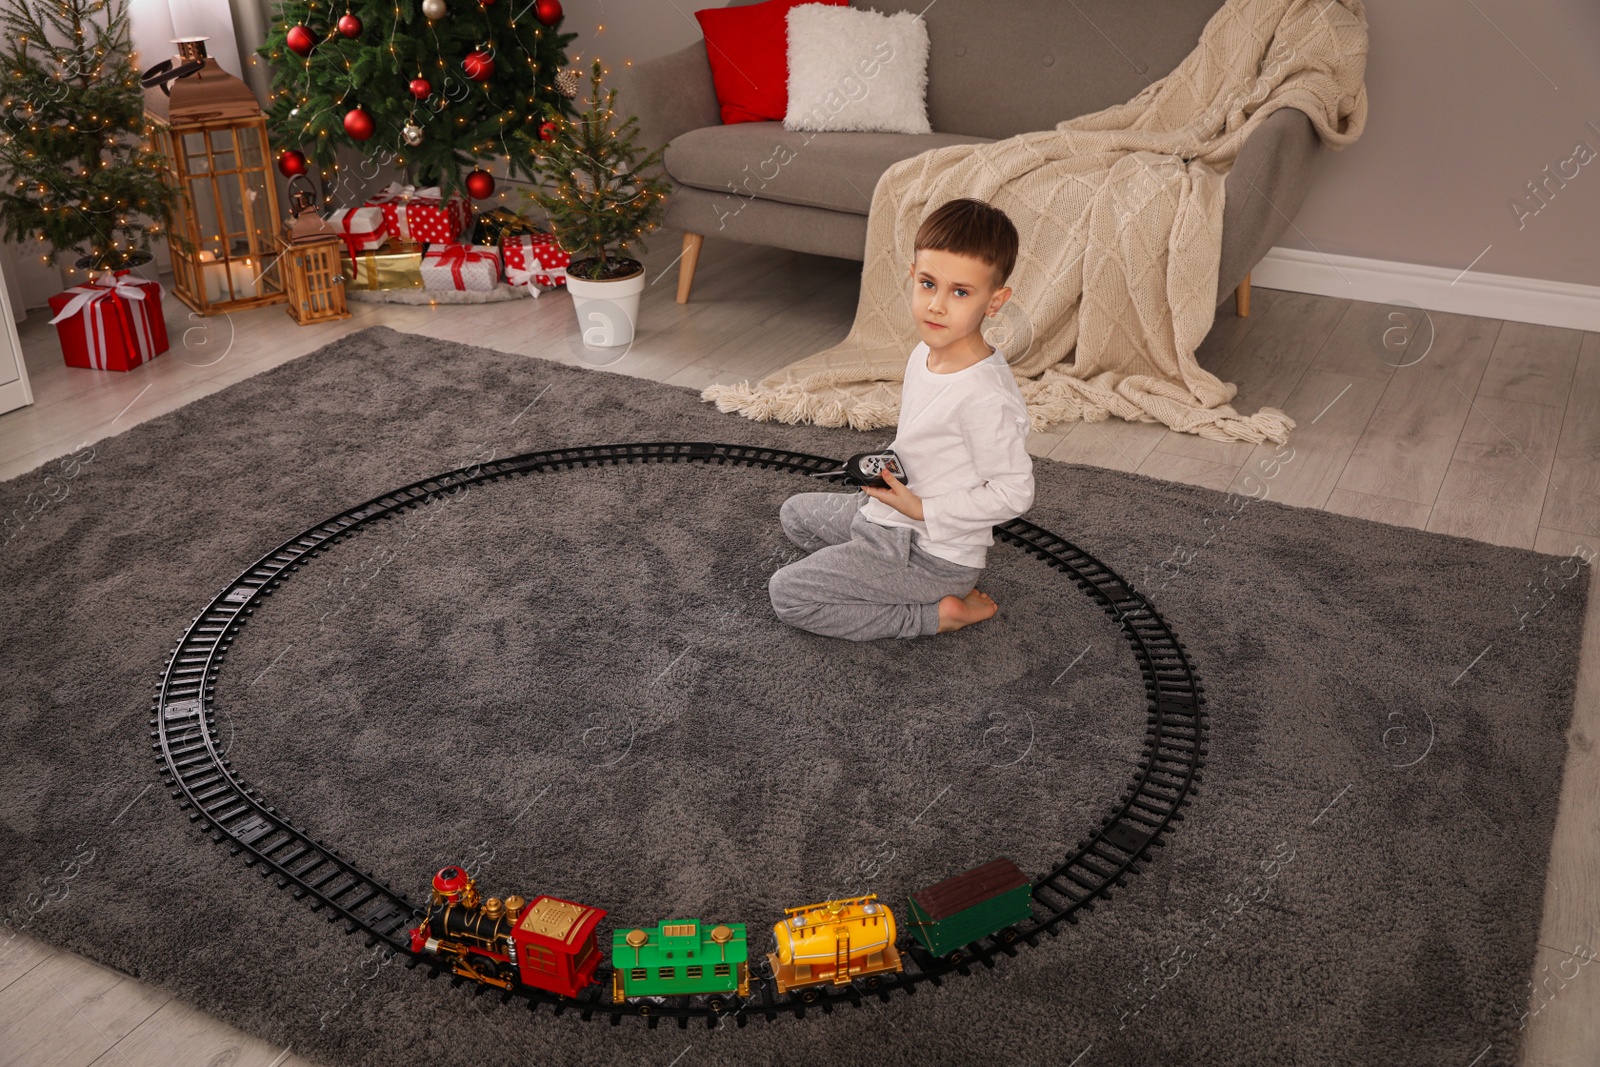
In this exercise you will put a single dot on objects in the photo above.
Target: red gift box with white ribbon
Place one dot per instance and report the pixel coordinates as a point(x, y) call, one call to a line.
point(111, 323)
point(533, 260)
point(467, 268)
point(362, 229)
point(413, 214)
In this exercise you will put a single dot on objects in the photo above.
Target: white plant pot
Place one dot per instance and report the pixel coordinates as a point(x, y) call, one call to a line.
point(607, 310)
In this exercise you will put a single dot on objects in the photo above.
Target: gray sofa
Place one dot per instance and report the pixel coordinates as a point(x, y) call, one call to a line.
point(996, 68)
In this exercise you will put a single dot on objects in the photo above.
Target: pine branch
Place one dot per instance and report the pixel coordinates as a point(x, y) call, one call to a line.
point(72, 148)
point(591, 186)
point(463, 122)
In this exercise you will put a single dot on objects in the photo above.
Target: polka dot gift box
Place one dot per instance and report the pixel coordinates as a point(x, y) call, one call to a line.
point(534, 259)
point(412, 214)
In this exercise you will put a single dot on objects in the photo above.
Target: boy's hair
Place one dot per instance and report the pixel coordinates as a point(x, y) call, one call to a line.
point(973, 228)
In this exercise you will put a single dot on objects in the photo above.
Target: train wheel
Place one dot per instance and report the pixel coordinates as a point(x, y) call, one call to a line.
point(716, 1003)
point(809, 996)
point(954, 957)
point(1009, 934)
point(874, 982)
point(644, 1009)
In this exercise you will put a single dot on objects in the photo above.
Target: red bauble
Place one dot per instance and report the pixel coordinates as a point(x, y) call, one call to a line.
point(480, 185)
point(358, 124)
point(479, 66)
point(349, 25)
point(547, 12)
point(547, 131)
point(292, 161)
point(300, 40)
point(420, 88)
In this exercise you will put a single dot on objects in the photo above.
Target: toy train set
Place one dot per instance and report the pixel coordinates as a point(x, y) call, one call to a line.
point(233, 812)
point(553, 944)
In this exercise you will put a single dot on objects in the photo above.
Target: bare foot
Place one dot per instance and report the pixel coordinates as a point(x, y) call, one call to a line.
point(956, 612)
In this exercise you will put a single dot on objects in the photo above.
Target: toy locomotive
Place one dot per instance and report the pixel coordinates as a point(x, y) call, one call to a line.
point(549, 944)
point(552, 944)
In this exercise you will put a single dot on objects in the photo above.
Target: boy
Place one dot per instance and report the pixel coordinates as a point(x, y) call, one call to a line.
point(902, 561)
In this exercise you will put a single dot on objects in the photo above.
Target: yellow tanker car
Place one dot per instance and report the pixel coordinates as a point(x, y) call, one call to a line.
point(835, 941)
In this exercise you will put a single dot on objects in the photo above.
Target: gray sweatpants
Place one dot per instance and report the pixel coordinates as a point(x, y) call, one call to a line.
point(862, 581)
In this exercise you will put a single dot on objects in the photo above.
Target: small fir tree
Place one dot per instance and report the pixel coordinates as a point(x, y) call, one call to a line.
point(413, 77)
point(77, 173)
point(601, 198)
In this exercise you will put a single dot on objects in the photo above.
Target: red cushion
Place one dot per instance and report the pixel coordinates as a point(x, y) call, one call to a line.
point(749, 51)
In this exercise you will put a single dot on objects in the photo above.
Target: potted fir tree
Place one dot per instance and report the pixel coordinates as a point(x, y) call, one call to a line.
point(601, 200)
point(80, 177)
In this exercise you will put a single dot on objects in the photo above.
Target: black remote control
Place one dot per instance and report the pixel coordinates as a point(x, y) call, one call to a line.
point(868, 467)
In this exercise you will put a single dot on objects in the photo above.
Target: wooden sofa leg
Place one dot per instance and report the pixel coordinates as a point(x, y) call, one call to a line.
point(686, 264)
point(1241, 297)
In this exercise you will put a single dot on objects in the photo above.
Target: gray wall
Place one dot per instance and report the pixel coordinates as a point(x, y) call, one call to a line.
point(1469, 102)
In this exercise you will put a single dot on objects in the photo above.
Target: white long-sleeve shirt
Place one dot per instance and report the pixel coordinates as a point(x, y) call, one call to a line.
point(962, 440)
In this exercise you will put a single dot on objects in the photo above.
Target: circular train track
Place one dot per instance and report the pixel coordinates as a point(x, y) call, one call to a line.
point(233, 813)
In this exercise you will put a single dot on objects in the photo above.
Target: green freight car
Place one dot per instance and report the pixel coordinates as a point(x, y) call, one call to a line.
point(678, 958)
point(958, 911)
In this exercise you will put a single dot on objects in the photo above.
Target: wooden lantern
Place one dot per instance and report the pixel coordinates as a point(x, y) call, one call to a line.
point(213, 134)
point(312, 280)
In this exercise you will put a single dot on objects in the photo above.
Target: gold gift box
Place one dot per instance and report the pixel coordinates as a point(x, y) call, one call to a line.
point(397, 265)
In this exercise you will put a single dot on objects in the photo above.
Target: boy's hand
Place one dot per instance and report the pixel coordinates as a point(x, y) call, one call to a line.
point(897, 496)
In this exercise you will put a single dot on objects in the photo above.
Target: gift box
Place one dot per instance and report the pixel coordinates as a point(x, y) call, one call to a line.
point(494, 227)
point(422, 215)
point(396, 266)
point(360, 228)
point(534, 259)
point(110, 323)
point(462, 267)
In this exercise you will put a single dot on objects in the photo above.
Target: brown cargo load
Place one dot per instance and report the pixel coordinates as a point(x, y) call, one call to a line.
point(953, 895)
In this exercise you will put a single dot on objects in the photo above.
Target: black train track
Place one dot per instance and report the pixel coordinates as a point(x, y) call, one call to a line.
point(233, 813)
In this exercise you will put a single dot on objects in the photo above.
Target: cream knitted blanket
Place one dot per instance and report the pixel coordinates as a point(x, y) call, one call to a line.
point(1120, 218)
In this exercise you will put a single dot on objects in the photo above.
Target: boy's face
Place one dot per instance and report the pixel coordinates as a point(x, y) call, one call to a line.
point(951, 294)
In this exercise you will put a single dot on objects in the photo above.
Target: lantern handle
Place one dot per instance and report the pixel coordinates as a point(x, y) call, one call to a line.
point(164, 73)
point(310, 188)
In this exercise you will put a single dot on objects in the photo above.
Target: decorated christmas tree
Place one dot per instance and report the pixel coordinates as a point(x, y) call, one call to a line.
point(598, 193)
point(77, 174)
point(433, 86)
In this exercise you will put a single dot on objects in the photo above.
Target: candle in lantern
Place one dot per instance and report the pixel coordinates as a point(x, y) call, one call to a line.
point(217, 274)
point(244, 278)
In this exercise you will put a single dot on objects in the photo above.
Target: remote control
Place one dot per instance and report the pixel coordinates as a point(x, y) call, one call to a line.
point(868, 467)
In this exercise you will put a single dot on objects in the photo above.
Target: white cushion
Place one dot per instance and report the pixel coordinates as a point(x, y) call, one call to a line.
point(860, 71)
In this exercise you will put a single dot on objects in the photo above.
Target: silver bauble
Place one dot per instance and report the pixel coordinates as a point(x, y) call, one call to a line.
point(412, 134)
point(434, 9)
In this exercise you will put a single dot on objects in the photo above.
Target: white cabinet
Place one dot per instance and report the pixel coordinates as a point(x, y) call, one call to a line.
point(14, 391)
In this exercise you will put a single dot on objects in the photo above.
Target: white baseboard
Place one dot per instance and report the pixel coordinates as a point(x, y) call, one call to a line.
point(1495, 296)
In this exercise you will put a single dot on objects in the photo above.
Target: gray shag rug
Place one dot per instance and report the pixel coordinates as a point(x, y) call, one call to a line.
point(574, 684)
point(500, 292)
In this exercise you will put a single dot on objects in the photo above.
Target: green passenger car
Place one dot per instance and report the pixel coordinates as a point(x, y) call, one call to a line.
point(679, 957)
point(958, 911)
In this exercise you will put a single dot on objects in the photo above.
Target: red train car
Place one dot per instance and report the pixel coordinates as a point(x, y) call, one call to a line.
point(556, 947)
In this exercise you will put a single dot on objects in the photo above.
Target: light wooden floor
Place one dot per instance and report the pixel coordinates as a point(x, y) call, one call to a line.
point(1494, 434)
